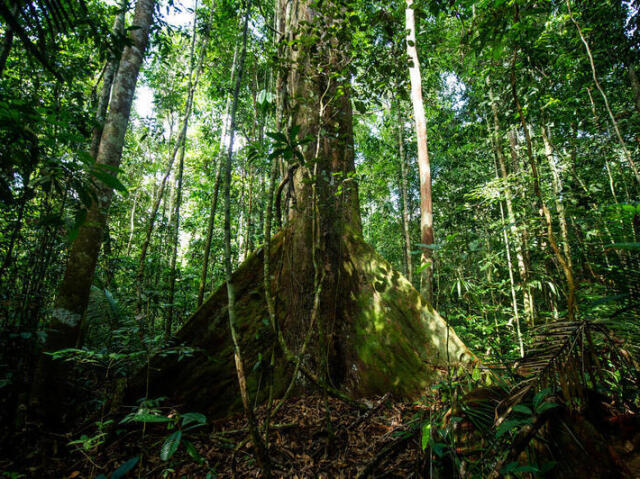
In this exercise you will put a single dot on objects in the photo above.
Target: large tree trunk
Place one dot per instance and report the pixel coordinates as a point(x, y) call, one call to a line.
point(373, 331)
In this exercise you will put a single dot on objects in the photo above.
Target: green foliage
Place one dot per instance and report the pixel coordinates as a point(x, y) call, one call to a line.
point(170, 445)
point(148, 412)
point(288, 146)
point(474, 55)
point(122, 470)
point(91, 443)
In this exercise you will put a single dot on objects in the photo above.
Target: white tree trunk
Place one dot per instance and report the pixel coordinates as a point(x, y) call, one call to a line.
point(424, 167)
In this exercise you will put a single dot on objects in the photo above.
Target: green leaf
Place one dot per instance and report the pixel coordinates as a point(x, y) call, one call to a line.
point(278, 152)
point(146, 417)
point(125, 468)
point(547, 466)
point(86, 196)
point(110, 180)
point(521, 408)
point(277, 136)
point(545, 407)
point(426, 435)
point(525, 468)
point(293, 132)
point(360, 106)
point(81, 216)
point(193, 417)
point(635, 246)
point(539, 397)
point(86, 158)
point(193, 452)
point(170, 445)
point(438, 448)
point(509, 468)
point(264, 98)
point(507, 426)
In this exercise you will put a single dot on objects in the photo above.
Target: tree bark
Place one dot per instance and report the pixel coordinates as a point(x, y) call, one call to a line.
point(73, 295)
point(248, 242)
point(424, 166)
point(107, 83)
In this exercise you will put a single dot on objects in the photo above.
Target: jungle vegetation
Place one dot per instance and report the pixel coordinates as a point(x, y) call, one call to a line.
point(214, 208)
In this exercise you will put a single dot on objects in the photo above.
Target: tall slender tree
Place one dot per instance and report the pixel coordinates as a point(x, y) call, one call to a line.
point(406, 219)
point(175, 226)
point(261, 452)
point(73, 295)
point(424, 164)
point(188, 107)
point(216, 186)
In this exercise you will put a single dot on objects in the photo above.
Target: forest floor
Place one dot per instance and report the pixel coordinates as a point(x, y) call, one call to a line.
point(310, 436)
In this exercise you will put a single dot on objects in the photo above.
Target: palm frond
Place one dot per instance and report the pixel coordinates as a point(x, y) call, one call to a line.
point(104, 315)
point(42, 20)
point(571, 357)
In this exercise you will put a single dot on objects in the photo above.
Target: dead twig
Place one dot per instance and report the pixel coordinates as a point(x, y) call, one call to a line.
point(368, 413)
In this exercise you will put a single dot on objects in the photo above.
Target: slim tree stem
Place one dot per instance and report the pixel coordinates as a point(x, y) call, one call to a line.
point(216, 189)
point(424, 166)
point(175, 228)
point(546, 214)
point(612, 117)
point(261, 452)
point(405, 200)
point(181, 137)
